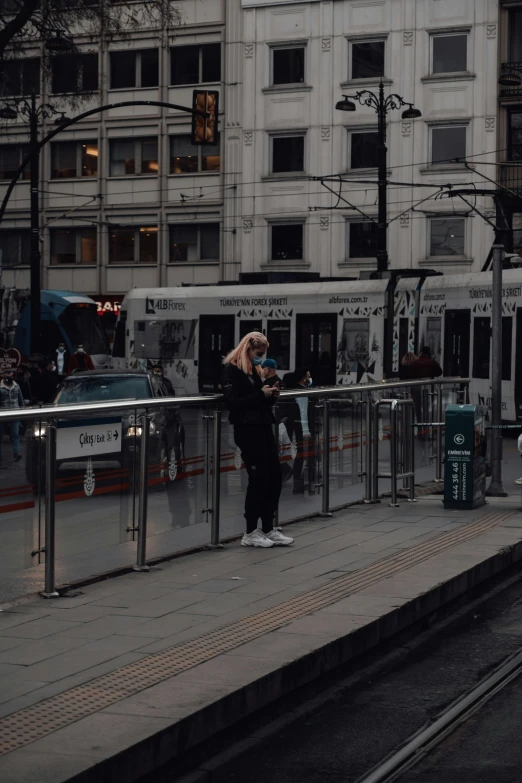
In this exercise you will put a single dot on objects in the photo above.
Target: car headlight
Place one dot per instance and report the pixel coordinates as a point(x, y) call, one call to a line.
point(39, 431)
point(133, 432)
point(152, 428)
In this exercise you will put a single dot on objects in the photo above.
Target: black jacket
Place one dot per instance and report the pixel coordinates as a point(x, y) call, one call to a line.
point(245, 399)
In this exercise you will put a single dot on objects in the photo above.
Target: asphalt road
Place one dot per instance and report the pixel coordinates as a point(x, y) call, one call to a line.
point(369, 720)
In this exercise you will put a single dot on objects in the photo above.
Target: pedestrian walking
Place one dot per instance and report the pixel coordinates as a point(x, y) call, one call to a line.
point(269, 367)
point(425, 366)
point(48, 382)
point(250, 402)
point(11, 397)
point(406, 363)
point(62, 360)
point(80, 360)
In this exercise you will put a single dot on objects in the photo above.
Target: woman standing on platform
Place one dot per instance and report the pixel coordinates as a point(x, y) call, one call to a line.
point(250, 402)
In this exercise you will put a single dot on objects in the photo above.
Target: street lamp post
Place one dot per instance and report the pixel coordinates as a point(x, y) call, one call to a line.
point(382, 105)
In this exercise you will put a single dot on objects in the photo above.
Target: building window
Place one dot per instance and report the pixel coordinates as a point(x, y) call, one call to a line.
point(74, 74)
point(72, 159)
point(448, 143)
point(192, 243)
point(515, 135)
point(11, 156)
point(132, 245)
point(195, 64)
point(134, 69)
point(21, 77)
point(73, 246)
point(288, 153)
point(15, 247)
point(186, 158)
point(131, 157)
point(363, 149)
point(367, 59)
point(447, 236)
point(362, 239)
point(287, 242)
point(449, 53)
point(515, 35)
point(288, 65)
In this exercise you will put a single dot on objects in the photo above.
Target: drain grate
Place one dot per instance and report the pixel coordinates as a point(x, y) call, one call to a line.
point(29, 724)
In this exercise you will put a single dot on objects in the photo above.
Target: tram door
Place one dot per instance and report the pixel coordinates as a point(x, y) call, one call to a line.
point(518, 367)
point(216, 339)
point(457, 326)
point(316, 337)
point(404, 328)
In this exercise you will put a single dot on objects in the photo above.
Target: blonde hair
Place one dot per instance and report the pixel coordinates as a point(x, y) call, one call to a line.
point(239, 355)
point(409, 358)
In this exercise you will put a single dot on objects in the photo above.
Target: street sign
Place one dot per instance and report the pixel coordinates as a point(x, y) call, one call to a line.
point(96, 436)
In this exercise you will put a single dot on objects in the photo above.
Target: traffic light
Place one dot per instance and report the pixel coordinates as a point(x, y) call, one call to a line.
point(205, 129)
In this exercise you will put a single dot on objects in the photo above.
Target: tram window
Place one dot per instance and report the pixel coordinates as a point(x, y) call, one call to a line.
point(278, 335)
point(118, 346)
point(433, 338)
point(354, 345)
point(481, 347)
point(164, 339)
point(507, 342)
point(249, 326)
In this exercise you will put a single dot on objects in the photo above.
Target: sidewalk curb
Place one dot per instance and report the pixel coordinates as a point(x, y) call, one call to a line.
point(182, 737)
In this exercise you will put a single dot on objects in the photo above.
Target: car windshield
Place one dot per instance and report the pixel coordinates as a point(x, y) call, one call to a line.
point(82, 324)
point(101, 388)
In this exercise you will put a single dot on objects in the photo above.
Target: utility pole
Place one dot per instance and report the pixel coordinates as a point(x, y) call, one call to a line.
point(35, 257)
point(495, 488)
point(382, 187)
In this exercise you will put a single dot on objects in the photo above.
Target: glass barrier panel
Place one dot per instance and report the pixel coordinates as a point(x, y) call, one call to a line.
point(96, 498)
point(21, 509)
point(347, 448)
point(179, 488)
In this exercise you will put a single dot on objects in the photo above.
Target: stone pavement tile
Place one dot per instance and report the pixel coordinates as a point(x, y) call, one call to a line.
point(87, 595)
point(177, 599)
point(365, 605)
point(166, 625)
point(514, 521)
point(105, 626)
point(215, 586)
point(127, 597)
point(12, 688)
point(81, 658)
point(46, 690)
point(14, 619)
point(231, 670)
point(24, 765)
point(171, 699)
point(401, 586)
point(34, 651)
point(83, 614)
point(334, 562)
point(42, 626)
point(327, 625)
point(99, 735)
point(281, 647)
point(9, 668)
point(219, 604)
point(386, 527)
point(8, 642)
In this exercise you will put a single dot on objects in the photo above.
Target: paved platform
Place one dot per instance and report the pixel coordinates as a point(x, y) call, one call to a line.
point(130, 673)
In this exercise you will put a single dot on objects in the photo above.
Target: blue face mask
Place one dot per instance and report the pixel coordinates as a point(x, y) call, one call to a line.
point(256, 360)
point(309, 382)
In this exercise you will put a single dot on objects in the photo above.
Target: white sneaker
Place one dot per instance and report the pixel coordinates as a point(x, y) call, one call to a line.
point(278, 539)
point(518, 481)
point(256, 538)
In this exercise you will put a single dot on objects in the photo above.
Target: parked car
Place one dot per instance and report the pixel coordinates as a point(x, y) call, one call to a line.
point(166, 432)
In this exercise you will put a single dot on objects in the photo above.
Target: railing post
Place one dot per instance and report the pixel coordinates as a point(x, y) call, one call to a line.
point(375, 455)
point(370, 496)
point(141, 564)
point(216, 480)
point(325, 512)
point(410, 438)
point(50, 532)
point(393, 453)
point(438, 442)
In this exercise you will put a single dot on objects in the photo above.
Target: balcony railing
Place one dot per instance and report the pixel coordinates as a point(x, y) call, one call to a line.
point(508, 92)
point(510, 177)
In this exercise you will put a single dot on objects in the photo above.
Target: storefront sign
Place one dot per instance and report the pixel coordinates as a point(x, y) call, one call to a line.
point(9, 359)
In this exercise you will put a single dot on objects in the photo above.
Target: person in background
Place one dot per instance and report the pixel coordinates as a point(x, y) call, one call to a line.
point(425, 366)
point(80, 360)
point(62, 360)
point(160, 383)
point(300, 423)
point(11, 397)
point(405, 367)
point(48, 382)
point(269, 366)
point(249, 400)
point(25, 383)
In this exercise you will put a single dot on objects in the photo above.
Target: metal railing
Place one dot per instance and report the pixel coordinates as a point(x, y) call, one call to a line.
point(508, 91)
point(357, 453)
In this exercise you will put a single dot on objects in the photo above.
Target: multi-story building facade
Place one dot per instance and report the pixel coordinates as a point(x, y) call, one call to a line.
point(298, 59)
point(125, 200)
point(510, 126)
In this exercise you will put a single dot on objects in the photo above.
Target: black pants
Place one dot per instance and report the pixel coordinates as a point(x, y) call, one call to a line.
point(260, 455)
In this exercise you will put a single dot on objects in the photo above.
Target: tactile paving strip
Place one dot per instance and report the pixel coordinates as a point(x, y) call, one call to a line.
point(29, 724)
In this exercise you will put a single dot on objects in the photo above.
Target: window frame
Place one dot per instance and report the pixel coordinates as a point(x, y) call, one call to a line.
point(20, 61)
point(137, 245)
point(19, 233)
point(510, 112)
point(287, 222)
point(79, 64)
point(199, 151)
point(79, 159)
point(448, 216)
point(448, 34)
point(373, 39)
point(443, 126)
point(348, 228)
point(197, 226)
point(138, 156)
point(281, 47)
point(23, 150)
point(285, 135)
point(78, 247)
point(200, 81)
point(363, 130)
point(137, 69)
